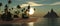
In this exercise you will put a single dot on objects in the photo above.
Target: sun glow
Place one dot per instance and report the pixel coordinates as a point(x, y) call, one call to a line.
point(31, 11)
point(31, 24)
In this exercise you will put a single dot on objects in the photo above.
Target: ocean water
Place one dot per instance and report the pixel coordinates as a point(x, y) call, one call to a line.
point(40, 22)
point(48, 22)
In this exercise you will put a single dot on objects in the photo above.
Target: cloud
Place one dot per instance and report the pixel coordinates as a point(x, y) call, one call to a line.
point(31, 4)
point(56, 3)
point(36, 4)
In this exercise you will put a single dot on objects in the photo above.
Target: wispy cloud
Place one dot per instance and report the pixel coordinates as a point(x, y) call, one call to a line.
point(36, 4)
point(32, 4)
point(56, 3)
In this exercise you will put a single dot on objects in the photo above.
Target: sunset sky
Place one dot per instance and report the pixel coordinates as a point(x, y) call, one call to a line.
point(41, 6)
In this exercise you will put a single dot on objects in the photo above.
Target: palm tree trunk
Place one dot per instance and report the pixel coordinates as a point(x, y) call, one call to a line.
point(0, 9)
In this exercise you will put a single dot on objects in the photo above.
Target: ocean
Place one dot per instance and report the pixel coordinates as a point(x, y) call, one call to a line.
point(48, 22)
point(41, 21)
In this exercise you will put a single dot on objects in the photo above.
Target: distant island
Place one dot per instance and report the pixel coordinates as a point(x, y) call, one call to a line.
point(51, 14)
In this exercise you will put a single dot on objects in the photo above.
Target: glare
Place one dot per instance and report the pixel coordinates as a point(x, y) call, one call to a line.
point(31, 11)
point(31, 24)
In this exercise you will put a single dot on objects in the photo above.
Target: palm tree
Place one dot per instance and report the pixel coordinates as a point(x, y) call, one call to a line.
point(23, 9)
point(6, 6)
point(12, 8)
point(0, 6)
point(17, 12)
point(18, 6)
point(28, 7)
point(9, 9)
point(34, 9)
point(9, 1)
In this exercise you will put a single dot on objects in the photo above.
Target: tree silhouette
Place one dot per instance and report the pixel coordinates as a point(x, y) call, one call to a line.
point(12, 8)
point(34, 9)
point(28, 7)
point(9, 1)
point(6, 6)
point(7, 16)
point(23, 9)
point(18, 6)
point(9, 9)
point(0, 4)
point(16, 12)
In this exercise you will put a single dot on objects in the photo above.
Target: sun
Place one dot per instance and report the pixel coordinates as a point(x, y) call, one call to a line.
point(31, 11)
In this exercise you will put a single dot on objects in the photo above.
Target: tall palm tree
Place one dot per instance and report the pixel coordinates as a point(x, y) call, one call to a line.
point(9, 2)
point(0, 4)
point(6, 7)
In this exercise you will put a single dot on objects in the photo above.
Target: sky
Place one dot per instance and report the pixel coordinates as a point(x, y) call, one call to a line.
point(41, 6)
